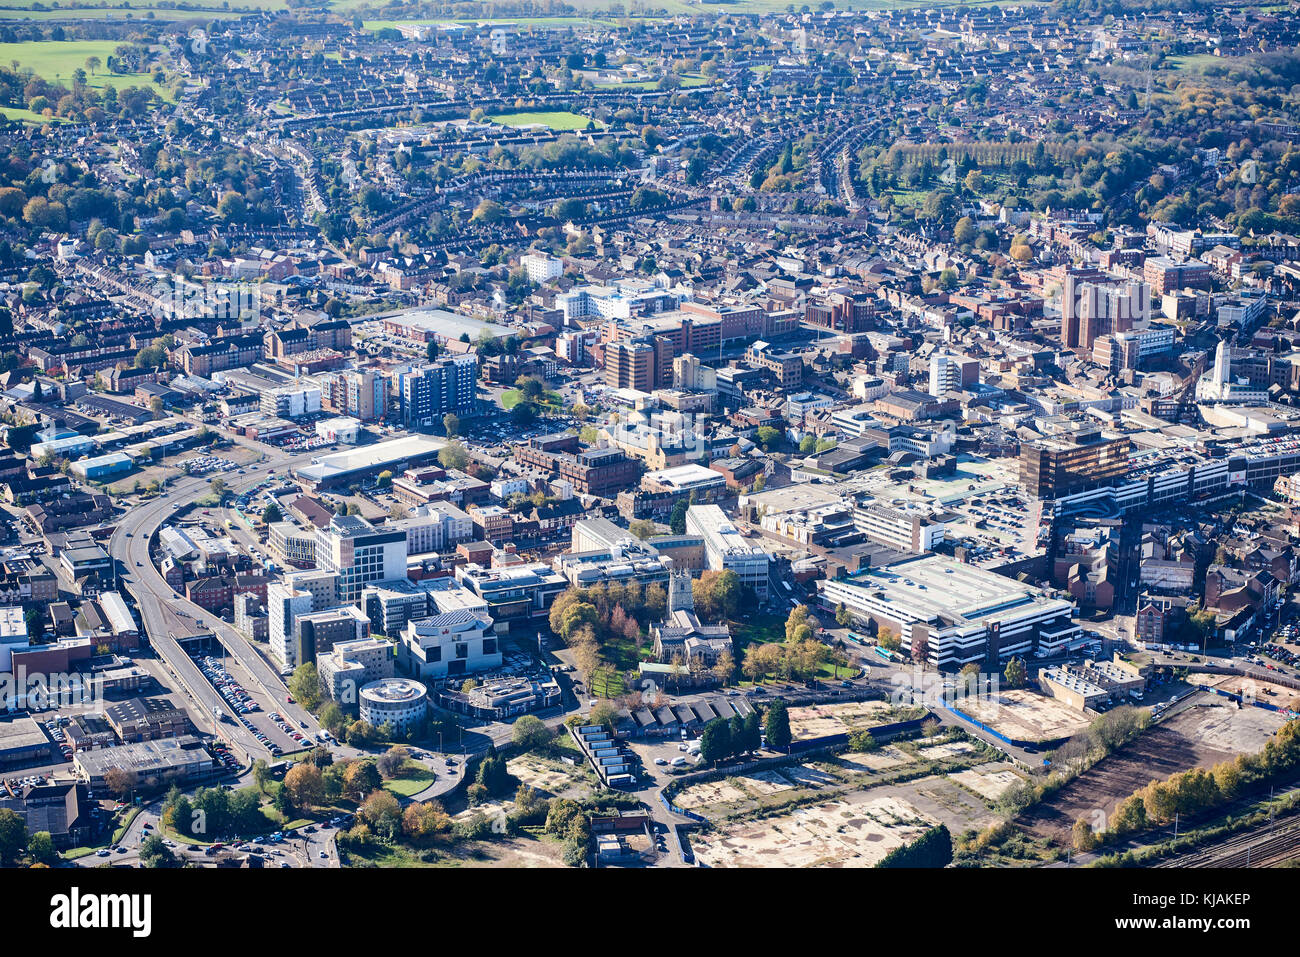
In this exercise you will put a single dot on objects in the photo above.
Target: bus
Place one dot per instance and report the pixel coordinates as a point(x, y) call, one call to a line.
point(884, 653)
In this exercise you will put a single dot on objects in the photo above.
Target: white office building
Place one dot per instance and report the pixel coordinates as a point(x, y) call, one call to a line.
point(449, 645)
point(284, 603)
point(434, 527)
point(359, 553)
point(962, 613)
point(910, 528)
point(541, 268)
point(726, 548)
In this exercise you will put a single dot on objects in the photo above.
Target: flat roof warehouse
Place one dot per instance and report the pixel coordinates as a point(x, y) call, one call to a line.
point(338, 467)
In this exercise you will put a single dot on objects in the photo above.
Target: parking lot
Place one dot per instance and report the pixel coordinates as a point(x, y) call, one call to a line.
point(269, 727)
point(662, 758)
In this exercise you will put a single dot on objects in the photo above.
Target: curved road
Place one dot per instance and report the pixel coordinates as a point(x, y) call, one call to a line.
point(162, 610)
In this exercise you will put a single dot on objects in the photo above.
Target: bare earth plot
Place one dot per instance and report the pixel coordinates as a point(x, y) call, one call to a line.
point(943, 802)
point(882, 759)
point(1197, 737)
point(513, 852)
point(989, 781)
point(948, 749)
point(709, 793)
point(847, 833)
point(1274, 694)
point(553, 778)
point(818, 721)
point(1023, 715)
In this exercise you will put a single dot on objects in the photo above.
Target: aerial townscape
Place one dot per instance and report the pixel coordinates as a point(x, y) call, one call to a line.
point(661, 434)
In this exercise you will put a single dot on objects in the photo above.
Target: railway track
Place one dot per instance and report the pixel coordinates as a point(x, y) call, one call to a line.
point(1268, 847)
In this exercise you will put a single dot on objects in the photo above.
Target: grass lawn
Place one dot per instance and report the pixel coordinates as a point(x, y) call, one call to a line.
point(761, 629)
point(57, 60)
point(27, 116)
point(379, 855)
point(687, 82)
point(540, 22)
point(512, 397)
point(1195, 61)
point(559, 120)
point(126, 822)
point(412, 779)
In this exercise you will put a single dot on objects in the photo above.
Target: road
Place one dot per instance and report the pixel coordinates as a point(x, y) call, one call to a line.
point(163, 611)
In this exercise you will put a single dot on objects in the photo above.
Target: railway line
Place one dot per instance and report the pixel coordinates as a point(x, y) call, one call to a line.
point(1275, 844)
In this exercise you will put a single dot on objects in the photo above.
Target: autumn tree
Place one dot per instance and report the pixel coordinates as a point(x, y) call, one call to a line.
point(306, 786)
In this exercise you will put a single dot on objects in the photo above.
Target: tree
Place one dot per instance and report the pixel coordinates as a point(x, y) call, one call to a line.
point(1015, 673)
point(304, 685)
point(777, 725)
point(154, 852)
point(530, 387)
point(724, 667)
point(13, 836)
point(920, 648)
point(425, 822)
point(1082, 835)
point(493, 775)
point(715, 741)
point(752, 736)
point(451, 424)
point(1129, 816)
point(361, 734)
point(232, 207)
point(360, 778)
point(41, 849)
point(120, 782)
point(529, 733)
point(797, 627)
point(718, 594)
point(306, 786)
point(843, 617)
point(218, 486)
point(271, 514)
point(453, 455)
point(261, 774)
point(767, 437)
point(931, 849)
point(392, 761)
point(643, 529)
point(383, 812)
point(604, 714)
point(677, 521)
point(862, 740)
point(488, 211)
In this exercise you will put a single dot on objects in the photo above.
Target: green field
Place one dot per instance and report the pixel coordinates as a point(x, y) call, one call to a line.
point(27, 116)
point(55, 61)
point(1196, 61)
point(143, 12)
point(687, 81)
point(512, 397)
point(545, 23)
point(559, 120)
point(412, 779)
